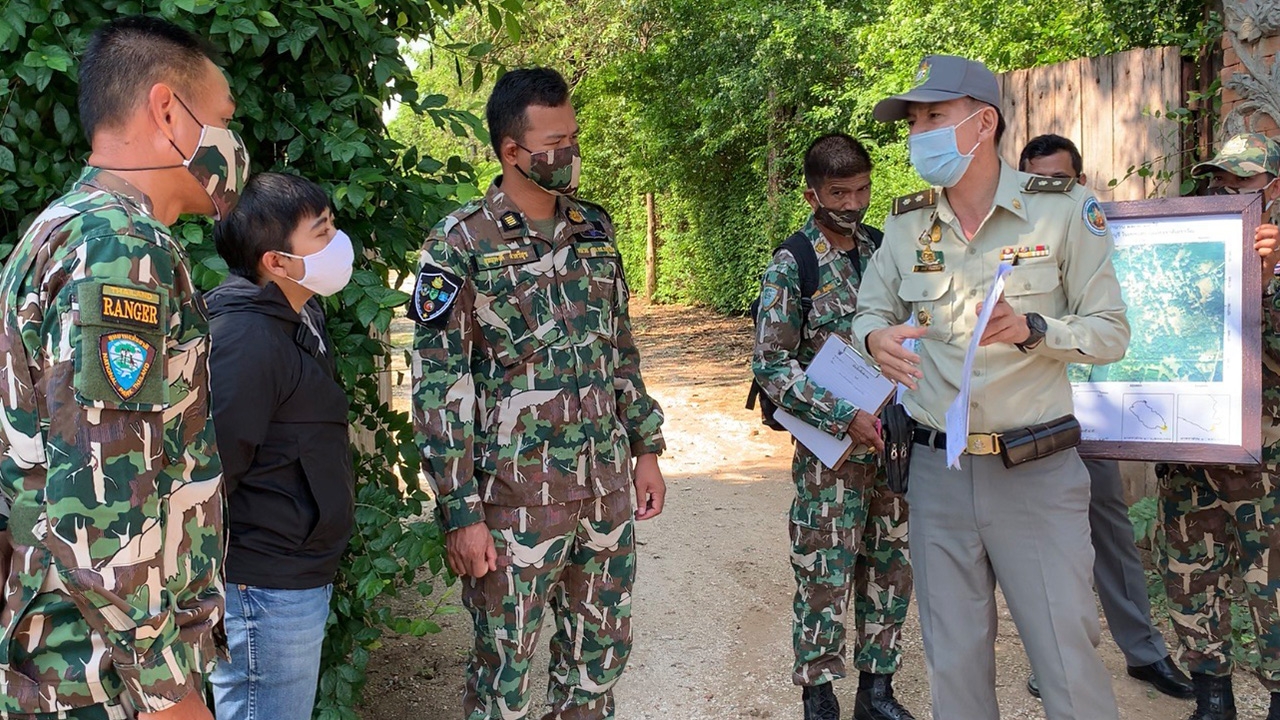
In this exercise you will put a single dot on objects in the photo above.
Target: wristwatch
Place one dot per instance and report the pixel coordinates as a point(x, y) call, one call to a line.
point(1038, 327)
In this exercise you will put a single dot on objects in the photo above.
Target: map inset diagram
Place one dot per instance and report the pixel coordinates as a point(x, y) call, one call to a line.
point(1177, 315)
point(1203, 417)
point(1147, 417)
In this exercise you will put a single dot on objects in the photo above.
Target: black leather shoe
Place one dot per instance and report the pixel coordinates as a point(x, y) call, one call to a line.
point(1164, 676)
point(1033, 685)
point(820, 703)
point(1214, 698)
point(875, 700)
point(1274, 712)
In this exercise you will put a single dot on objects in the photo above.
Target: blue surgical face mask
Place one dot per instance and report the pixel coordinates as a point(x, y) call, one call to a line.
point(936, 156)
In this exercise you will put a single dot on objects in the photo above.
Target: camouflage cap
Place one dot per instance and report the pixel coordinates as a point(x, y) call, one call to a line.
point(938, 79)
point(1244, 155)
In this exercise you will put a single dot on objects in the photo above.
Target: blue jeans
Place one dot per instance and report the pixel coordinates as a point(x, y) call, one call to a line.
point(275, 638)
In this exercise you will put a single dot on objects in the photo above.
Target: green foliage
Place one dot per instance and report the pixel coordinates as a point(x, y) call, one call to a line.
point(311, 80)
point(710, 104)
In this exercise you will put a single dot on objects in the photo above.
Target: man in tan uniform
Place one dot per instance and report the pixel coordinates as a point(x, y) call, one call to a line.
point(1026, 526)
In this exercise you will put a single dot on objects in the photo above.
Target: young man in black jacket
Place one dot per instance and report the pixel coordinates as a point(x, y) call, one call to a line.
point(281, 421)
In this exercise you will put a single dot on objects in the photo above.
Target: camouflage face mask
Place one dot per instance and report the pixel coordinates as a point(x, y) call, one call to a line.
point(555, 171)
point(844, 222)
point(220, 163)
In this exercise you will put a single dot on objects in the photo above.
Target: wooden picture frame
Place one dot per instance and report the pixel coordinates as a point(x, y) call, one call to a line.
point(1199, 409)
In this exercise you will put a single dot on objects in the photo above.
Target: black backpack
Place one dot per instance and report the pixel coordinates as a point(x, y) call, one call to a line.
point(807, 262)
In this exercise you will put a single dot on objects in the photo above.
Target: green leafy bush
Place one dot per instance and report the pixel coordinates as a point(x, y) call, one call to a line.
point(311, 80)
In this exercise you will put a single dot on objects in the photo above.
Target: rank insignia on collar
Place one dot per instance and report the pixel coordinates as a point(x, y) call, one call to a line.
point(511, 221)
point(434, 296)
point(575, 215)
point(1042, 183)
point(127, 359)
point(915, 201)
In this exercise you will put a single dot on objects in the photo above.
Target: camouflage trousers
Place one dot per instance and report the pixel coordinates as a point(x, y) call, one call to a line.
point(848, 538)
point(578, 559)
point(1221, 524)
point(114, 710)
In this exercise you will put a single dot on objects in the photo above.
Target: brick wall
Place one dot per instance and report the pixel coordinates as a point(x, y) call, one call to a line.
point(1266, 49)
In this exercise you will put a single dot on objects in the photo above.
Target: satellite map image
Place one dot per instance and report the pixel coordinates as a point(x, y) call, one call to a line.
point(1176, 312)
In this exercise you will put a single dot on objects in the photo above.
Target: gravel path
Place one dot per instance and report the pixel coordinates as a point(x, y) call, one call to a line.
point(712, 606)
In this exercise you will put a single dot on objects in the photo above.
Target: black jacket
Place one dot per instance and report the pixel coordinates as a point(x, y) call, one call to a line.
point(281, 420)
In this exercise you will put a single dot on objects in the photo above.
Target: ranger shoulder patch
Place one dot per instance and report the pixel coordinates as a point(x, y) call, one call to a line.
point(915, 201)
point(1043, 183)
point(127, 359)
point(121, 331)
point(434, 295)
point(130, 306)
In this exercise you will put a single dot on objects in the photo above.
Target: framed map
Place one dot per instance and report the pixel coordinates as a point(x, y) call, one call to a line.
point(1189, 389)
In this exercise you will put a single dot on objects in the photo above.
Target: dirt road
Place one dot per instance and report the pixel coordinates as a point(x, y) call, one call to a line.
point(712, 606)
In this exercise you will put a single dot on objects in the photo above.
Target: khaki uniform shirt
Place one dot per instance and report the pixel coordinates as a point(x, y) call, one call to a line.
point(1063, 272)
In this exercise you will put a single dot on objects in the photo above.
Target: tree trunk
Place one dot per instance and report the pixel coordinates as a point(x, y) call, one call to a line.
point(650, 249)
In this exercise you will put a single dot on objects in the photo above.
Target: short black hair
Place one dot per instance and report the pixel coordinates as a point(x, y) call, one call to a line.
point(125, 58)
point(833, 156)
point(1050, 144)
point(507, 109)
point(270, 209)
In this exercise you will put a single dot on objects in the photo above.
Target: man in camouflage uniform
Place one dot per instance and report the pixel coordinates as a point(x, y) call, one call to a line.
point(848, 530)
point(109, 471)
point(1220, 524)
point(531, 410)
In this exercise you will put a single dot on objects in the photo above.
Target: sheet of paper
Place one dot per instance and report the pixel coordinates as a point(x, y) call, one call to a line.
point(829, 449)
point(847, 375)
point(958, 413)
point(843, 371)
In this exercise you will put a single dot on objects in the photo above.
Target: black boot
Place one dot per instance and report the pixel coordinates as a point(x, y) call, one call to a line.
point(1274, 713)
point(875, 699)
point(820, 703)
point(1214, 698)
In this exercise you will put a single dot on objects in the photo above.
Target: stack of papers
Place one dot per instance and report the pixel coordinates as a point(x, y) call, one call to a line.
point(847, 375)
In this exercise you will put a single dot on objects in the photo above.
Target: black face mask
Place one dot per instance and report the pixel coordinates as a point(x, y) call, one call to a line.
point(841, 222)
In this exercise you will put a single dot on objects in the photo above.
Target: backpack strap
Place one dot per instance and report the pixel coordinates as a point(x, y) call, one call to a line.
point(807, 263)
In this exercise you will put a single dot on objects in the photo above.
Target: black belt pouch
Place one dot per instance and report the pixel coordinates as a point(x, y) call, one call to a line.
point(897, 429)
point(1039, 441)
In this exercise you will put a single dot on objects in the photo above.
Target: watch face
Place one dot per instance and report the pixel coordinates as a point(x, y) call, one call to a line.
point(1037, 323)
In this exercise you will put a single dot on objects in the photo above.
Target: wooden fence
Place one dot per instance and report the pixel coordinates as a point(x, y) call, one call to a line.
point(1108, 106)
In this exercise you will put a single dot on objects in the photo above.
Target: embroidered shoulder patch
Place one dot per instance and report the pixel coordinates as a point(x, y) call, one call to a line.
point(131, 306)
point(769, 295)
point(1094, 219)
point(127, 360)
point(434, 296)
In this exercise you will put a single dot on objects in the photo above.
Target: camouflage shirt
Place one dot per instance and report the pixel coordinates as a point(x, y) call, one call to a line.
point(786, 342)
point(108, 461)
point(527, 387)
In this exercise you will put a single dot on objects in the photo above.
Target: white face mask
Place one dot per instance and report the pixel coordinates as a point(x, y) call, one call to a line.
point(328, 271)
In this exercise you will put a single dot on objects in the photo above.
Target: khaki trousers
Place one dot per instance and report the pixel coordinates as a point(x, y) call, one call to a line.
point(1026, 528)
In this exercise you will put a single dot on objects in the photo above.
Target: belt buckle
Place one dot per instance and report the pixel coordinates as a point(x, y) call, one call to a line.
point(983, 444)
